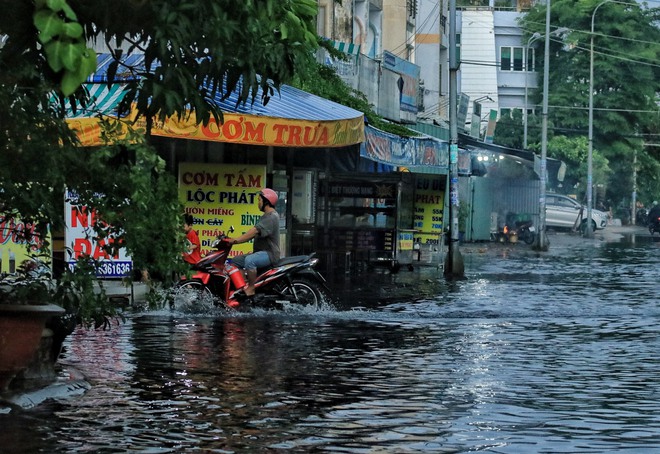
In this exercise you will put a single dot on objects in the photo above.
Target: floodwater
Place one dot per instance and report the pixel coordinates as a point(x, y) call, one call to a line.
point(557, 353)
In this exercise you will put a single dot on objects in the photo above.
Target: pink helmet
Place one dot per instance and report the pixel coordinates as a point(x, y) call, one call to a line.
point(269, 195)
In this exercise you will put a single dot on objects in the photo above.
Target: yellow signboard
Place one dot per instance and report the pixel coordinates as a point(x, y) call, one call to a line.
point(242, 129)
point(429, 208)
point(220, 196)
point(18, 243)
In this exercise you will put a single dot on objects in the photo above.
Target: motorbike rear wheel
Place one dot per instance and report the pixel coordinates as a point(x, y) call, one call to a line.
point(528, 237)
point(190, 293)
point(306, 292)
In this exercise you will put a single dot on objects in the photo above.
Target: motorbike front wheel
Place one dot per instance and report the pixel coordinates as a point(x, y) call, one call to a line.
point(305, 292)
point(191, 293)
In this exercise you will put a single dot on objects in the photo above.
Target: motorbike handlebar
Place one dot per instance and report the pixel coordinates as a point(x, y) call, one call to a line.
point(223, 240)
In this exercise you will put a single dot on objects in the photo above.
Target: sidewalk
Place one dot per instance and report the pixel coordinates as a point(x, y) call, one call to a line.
point(559, 239)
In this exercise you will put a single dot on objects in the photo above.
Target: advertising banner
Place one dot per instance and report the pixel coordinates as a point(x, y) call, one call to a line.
point(18, 243)
point(408, 79)
point(220, 196)
point(240, 128)
point(429, 207)
point(391, 149)
point(80, 241)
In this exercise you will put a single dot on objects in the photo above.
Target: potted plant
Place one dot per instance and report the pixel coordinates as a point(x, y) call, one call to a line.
point(24, 312)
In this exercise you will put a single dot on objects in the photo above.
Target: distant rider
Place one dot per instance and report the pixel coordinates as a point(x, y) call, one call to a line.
point(266, 234)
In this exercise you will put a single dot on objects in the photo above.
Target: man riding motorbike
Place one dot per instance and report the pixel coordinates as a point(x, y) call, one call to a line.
point(266, 235)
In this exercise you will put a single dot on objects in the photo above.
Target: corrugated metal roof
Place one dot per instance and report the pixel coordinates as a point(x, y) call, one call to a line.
point(289, 103)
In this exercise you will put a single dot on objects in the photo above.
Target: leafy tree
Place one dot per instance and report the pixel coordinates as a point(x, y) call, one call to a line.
point(193, 50)
point(509, 130)
point(573, 152)
point(626, 81)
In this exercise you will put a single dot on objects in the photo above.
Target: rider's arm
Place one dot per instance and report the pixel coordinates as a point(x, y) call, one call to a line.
point(247, 236)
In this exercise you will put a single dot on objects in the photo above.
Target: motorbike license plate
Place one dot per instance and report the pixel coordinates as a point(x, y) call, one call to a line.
point(531, 228)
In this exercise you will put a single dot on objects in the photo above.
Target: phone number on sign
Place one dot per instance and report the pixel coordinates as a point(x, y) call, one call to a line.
point(110, 269)
point(114, 269)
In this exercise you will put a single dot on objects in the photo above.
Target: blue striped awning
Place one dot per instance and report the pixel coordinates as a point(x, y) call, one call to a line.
point(347, 48)
point(127, 70)
point(291, 117)
point(103, 100)
point(289, 103)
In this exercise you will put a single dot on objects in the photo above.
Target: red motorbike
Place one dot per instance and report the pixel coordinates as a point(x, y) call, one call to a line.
point(291, 280)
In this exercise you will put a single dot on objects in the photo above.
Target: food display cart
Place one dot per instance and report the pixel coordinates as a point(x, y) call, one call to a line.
point(369, 219)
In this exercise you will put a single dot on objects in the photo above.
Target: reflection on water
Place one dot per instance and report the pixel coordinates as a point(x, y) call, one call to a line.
point(551, 353)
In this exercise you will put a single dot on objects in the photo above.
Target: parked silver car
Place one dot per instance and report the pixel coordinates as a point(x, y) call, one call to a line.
point(562, 211)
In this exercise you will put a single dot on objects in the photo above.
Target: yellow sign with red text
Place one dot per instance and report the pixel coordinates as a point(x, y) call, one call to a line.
point(239, 128)
point(19, 242)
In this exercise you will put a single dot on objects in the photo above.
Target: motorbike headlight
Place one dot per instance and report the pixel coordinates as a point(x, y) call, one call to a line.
point(314, 261)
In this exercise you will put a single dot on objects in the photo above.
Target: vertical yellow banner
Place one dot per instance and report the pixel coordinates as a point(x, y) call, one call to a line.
point(429, 207)
point(220, 196)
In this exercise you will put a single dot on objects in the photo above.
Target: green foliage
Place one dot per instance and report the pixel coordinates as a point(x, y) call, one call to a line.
point(194, 50)
point(509, 130)
point(626, 81)
point(573, 152)
point(63, 43)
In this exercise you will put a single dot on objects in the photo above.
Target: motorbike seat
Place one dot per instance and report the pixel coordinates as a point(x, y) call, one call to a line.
point(292, 259)
point(287, 261)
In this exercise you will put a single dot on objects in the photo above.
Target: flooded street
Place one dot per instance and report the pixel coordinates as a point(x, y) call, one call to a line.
point(550, 353)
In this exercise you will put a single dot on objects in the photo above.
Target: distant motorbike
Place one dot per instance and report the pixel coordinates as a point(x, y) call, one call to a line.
point(526, 231)
point(641, 217)
point(654, 225)
point(515, 230)
point(291, 280)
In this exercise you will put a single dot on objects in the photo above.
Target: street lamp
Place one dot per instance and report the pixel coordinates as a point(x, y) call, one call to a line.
point(589, 230)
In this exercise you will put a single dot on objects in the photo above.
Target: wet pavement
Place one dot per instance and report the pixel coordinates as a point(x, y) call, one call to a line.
point(533, 352)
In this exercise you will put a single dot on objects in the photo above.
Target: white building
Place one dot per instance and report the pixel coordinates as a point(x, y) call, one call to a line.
point(493, 71)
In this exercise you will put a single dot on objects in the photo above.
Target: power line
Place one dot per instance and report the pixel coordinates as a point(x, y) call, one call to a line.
point(606, 109)
point(408, 40)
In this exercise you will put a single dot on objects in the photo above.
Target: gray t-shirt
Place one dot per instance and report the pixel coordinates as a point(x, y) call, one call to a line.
point(268, 238)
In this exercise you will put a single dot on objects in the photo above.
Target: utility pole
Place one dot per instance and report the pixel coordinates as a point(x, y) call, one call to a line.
point(542, 243)
point(454, 266)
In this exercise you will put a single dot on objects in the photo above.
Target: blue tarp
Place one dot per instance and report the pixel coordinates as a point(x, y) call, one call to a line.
point(289, 103)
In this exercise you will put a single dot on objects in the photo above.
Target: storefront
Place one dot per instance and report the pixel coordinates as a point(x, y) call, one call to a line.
point(368, 195)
